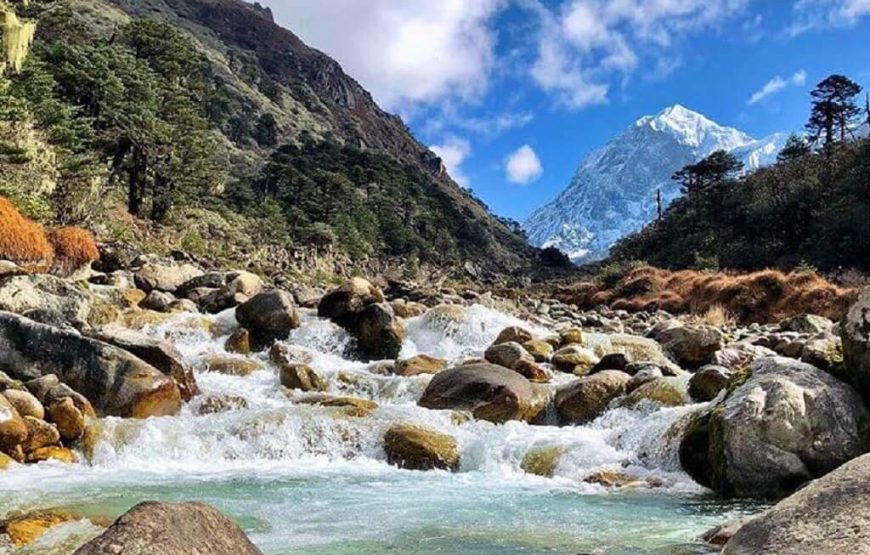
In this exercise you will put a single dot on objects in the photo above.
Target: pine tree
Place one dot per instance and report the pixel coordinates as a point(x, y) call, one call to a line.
point(715, 168)
point(795, 147)
point(834, 110)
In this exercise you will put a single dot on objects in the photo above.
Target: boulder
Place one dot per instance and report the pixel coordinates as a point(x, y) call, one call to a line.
point(350, 406)
point(46, 294)
point(52, 453)
point(489, 391)
point(532, 372)
point(13, 430)
point(25, 403)
point(221, 402)
point(420, 364)
point(114, 381)
point(379, 335)
point(643, 375)
point(70, 421)
point(829, 515)
point(691, 346)
point(230, 365)
point(158, 353)
point(164, 277)
point(542, 461)
point(25, 529)
point(787, 424)
point(585, 399)
point(740, 354)
point(540, 349)
point(666, 392)
point(574, 359)
point(825, 353)
point(152, 528)
point(343, 304)
point(855, 332)
point(806, 323)
point(269, 316)
point(571, 336)
point(157, 301)
point(513, 334)
point(239, 342)
point(708, 381)
point(282, 353)
point(419, 448)
point(39, 434)
point(508, 354)
point(302, 377)
point(612, 361)
point(49, 390)
point(239, 287)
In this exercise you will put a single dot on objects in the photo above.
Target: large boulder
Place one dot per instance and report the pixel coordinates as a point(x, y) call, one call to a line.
point(707, 382)
point(164, 277)
point(269, 316)
point(153, 528)
point(46, 294)
point(585, 399)
point(342, 304)
point(830, 515)
point(690, 346)
point(379, 335)
point(419, 364)
point(156, 352)
point(508, 354)
point(419, 448)
point(113, 380)
point(787, 424)
point(806, 323)
point(13, 430)
point(489, 391)
point(855, 331)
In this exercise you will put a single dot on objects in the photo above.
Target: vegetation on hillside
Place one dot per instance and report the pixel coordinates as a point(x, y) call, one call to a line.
point(810, 208)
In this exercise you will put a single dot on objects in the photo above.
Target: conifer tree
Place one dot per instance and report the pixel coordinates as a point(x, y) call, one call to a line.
point(834, 110)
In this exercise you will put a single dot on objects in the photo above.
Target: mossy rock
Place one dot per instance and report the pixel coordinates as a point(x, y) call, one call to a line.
point(542, 461)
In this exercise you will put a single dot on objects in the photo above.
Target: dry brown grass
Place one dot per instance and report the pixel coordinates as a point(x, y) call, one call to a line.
point(73, 248)
point(22, 240)
point(764, 296)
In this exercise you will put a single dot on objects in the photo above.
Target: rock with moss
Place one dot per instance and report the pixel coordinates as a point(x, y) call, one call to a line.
point(786, 424)
point(585, 399)
point(666, 392)
point(542, 461)
point(418, 448)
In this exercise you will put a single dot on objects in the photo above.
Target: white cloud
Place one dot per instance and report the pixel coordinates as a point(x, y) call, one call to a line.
point(453, 151)
point(776, 85)
point(406, 53)
point(818, 14)
point(584, 45)
point(523, 166)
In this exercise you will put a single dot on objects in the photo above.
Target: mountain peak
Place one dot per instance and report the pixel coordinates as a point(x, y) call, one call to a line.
point(694, 130)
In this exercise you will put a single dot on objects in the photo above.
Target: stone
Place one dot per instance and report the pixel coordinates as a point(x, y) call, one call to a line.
point(26, 529)
point(61, 454)
point(153, 528)
point(378, 333)
point(489, 391)
point(666, 392)
point(182, 306)
point(691, 346)
point(825, 353)
point(269, 316)
point(708, 381)
point(221, 402)
point(719, 535)
point(344, 303)
point(419, 364)
point(6, 461)
point(513, 334)
point(25, 403)
point(408, 309)
point(806, 323)
point(158, 353)
point(363, 406)
point(302, 377)
point(114, 381)
point(157, 301)
point(614, 479)
point(571, 336)
point(542, 461)
point(282, 353)
point(829, 515)
point(46, 293)
point(585, 399)
point(230, 365)
point(788, 423)
point(307, 297)
point(855, 333)
point(164, 277)
point(740, 354)
point(418, 448)
point(612, 361)
point(507, 354)
point(540, 349)
point(574, 359)
point(49, 390)
point(643, 375)
point(39, 434)
point(532, 372)
point(239, 342)
point(70, 421)
point(13, 430)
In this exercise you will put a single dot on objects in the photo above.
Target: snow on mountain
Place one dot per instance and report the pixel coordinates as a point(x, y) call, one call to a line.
point(613, 192)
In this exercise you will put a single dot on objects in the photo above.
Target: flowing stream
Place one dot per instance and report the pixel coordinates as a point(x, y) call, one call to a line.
point(307, 479)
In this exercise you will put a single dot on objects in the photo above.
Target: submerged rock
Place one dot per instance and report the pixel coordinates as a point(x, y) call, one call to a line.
point(829, 515)
point(787, 424)
point(153, 528)
point(302, 377)
point(542, 461)
point(25, 529)
point(218, 403)
point(586, 398)
point(269, 316)
point(419, 448)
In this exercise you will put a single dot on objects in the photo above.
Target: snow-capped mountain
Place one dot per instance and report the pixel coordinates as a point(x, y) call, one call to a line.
point(613, 192)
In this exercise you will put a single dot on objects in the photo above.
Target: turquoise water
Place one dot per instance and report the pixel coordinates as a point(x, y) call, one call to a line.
point(309, 480)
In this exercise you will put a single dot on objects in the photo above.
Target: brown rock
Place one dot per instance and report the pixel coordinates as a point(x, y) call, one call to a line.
point(269, 316)
point(302, 377)
point(25, 403)
point(39, 434)
point(514, 334)
point(214, 404)
point(342, 304)
point(230, 365)
point(61, 454)
point(539, 349)
point(13, 431)
point(585, 399)
point(69, 419)
point(420, 364)
point(240, 342)
point(26, 529)
point(418, 448)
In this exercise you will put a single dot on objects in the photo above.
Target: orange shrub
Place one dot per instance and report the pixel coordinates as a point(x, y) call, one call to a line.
point(73, 248)
point(22, 240)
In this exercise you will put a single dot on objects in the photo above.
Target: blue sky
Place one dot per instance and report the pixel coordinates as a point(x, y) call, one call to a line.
point(513, 93)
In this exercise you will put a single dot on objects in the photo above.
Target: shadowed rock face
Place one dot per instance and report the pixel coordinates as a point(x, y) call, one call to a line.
point(113, 380)
point(152, 528)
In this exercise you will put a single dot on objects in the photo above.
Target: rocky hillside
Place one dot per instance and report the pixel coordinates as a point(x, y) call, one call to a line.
point(215, 123)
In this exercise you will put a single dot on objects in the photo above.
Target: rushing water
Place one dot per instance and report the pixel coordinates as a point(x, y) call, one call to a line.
point(310, 479)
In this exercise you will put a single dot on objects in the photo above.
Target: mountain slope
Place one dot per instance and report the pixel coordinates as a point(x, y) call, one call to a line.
point(613, 192)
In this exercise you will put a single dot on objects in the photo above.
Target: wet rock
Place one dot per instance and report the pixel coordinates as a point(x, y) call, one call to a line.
point(269, 316)
point(302, 377)
point(612, 361)
point(574, 359)
point(571, 336)
point(532, 372)
point(282, 353)
point(513, 334)
point(39, 434)
point(507, 354)
point(163, 277)
point(584, 399)
point(114, 381)
point(13, 431)
point(408, 309)
point(378, 333)
point(6, 461)
point(354, 406)
point(25, 403)
point(46, 294)
point(643, 375)
point(26, 529)
point(52, 453)
point(70, 421)
point(343, 304)
point(787, 424)
point(443, 315)
point(691, 346)
point(239, 342)
point(667, 392)
point(540, 349)
point(418, 448)
point(542, 461)
point(221, 402)
point(489, 391)
point(156, 352)
point(706, 383)
point(230, 365)
point(719, 535)
point(157, 301)
point(855, 332)
point(829, 515)
point(49, 390)
point(615, 479)
point(153, 528)
point(420, 364)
